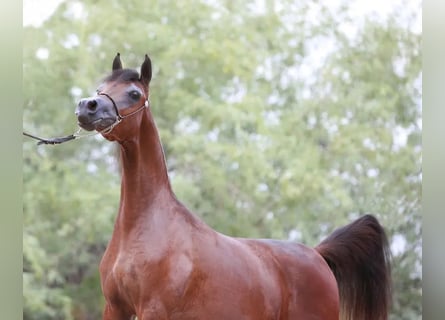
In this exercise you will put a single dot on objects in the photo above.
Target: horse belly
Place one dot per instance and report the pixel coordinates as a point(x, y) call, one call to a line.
point(227, 296)
point(229, 281)
point(221, 308)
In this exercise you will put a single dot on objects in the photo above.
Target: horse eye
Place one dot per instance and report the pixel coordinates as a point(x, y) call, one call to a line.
point(134, 94)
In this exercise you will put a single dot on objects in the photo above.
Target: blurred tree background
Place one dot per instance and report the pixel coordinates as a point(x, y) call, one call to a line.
point(283, 119)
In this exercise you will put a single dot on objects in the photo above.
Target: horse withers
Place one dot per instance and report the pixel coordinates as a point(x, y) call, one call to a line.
point(163, 262)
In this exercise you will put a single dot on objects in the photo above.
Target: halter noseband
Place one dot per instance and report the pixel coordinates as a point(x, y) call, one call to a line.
point(119, 117)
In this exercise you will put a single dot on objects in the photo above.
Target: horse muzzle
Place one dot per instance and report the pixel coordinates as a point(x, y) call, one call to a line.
point(95, 113)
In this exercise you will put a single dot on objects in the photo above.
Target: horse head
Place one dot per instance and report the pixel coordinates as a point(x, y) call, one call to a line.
point(121, 94)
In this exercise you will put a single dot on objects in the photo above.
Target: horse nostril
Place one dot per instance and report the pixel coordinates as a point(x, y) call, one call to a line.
point(92, 105)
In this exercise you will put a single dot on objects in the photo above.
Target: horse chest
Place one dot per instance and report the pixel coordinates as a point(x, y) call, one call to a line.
point(119, 279)
point(162, 279)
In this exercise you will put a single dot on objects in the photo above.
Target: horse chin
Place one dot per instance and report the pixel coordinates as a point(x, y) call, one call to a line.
point(103, 124)
point(86, 126)
point(98, 125)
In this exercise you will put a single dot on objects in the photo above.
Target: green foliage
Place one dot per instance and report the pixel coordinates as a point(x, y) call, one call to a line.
point(261, 141)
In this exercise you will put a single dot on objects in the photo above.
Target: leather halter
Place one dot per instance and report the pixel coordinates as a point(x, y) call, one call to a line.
point(120, 117)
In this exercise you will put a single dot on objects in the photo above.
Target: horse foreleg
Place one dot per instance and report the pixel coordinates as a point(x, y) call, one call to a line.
point(114, 313)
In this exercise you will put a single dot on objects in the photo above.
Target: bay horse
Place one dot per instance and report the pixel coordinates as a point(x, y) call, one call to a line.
point(163, 262)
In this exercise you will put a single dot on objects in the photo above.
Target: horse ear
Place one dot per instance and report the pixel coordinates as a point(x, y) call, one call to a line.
point(146, 71)
point(117, 64)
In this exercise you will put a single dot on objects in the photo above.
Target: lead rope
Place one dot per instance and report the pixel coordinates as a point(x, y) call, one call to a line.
point(77, 135)
point(52, 140)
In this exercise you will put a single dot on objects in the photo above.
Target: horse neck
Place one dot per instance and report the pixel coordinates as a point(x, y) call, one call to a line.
point(145, 183)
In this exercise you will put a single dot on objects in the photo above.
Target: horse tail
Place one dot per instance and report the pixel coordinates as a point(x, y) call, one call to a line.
point(359, 257)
